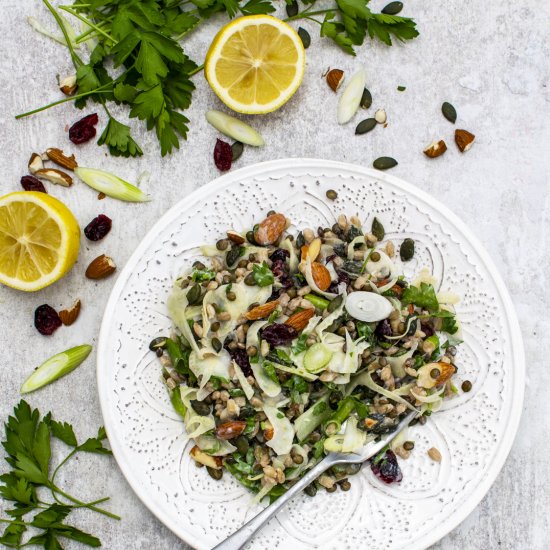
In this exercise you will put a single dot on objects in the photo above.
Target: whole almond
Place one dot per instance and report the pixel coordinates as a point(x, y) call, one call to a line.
point(464, 140)
point(235, 237)
point(101, 267)
point(260, 312)
point(55, 176)
point(335, 78)
point(300, 319)
point(229, 430)
point(321, 275)
point(69, 316)
point(57, 156)
point(270, 229)
point(435, 149)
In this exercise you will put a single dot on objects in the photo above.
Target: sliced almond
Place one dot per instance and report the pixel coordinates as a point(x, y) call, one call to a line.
point(202, 458)
point(335, 78)
point(270, 229)
point(300, 319)
point(435, 149)
point(57, 156)
point(321, 275)
point(35, 163)
point(464, 140)
point(55, 176)
point(260, 312)
point(314, 249)
point(426, 372)
point(235, 237)
point(101, 267)
point(68, 85)
point(69, 316)
point(268, 433)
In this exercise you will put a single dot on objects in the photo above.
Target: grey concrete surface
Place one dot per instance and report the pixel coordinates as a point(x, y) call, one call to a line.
point(490, 59)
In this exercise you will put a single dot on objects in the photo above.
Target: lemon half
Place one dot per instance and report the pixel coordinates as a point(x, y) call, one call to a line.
point(255, 64)
point(39, 240)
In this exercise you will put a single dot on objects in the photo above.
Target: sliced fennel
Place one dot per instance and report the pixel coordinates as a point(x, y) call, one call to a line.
point(111, 185)
point(351, 246)
point(234, 128)
point(245, 385)
point(214, 446)
point(177, 304)
point(297, 471)
point(312, 418)
point(55, 367)
point(283, 431)
point(267, 385)
point(205, 366)
point(293, 260)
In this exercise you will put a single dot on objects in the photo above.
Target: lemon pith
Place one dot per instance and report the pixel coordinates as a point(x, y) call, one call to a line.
point(39, 240)
point(255, 64)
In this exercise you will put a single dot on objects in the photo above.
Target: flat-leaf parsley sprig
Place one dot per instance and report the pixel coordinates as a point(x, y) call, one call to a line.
point(27, 445)
point(138, 41)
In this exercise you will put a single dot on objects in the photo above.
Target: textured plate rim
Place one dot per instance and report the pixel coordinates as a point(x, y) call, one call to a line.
point(518, 361)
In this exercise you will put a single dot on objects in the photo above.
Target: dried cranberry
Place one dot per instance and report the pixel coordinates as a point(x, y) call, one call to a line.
point(330, 258)
point(84, 129)
point(223, 155)
point(383, 329)
point(386, 468)
point(279, 255)
point(279, 334)
point(343, 277)
point(98, 228)
point(241, 358)
point(279, 268)
point(427, 329)
point(46, 319)
point(30, 183)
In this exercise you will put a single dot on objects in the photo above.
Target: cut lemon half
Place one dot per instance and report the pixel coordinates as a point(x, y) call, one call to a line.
point(39, 240)
point(255, 64)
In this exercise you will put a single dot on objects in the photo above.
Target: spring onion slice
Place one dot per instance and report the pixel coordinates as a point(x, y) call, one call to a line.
point(312, 418)
point(234, 128)
point(111, 185)
point(351, 98)
point(177, 304)
point(55, 367)
point(283, 431)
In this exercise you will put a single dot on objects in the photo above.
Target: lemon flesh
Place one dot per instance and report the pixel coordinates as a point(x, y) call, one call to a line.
point(39, 240)
point(255, 64)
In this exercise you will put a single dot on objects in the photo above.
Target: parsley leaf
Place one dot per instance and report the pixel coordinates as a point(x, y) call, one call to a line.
point(202, 275)
point(424, 297)
point(262, 274)
point(118, 139)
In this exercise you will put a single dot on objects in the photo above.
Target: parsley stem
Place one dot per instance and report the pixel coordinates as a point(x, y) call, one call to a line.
point(197, 70)
point(306, 14)
point(82, 504)
point(77, 62)
point(71, 98)
point(87, 22)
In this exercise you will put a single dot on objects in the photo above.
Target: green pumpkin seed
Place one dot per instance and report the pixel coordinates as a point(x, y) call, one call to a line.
point(366, 99)
point(393, 8)
point(401, 88)
point(216, 344)
point(242, 445)
point(384, 163)
point(305, 38)
point(335, 304)
point(200, 407)
point(158, 343)
point(292, 8)
point(311, 490)
point(250, 237)
point(449, 112)
point(214, 473)
point(233, 255)
point(194, 294)
point(365, 126)
point(377, 229)
point(236, 150)
point(406, 252)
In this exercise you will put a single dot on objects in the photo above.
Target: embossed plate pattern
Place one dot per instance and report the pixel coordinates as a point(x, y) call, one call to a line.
point(474, 431)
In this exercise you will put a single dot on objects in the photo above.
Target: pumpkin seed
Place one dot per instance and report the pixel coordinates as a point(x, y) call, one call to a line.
point(200, 407)
point(401, 88)
point(332, 195)
point(365, 126)
point(377, 229)
point(242, 445)
point(449, 112)
point(384, 163)
point(393, 8)
point(292, 8)
point(233, 255)
point(237, 150)
point(335, 304)
point(305, 38)
point(406, 251)
point(250, 237)
point(194, 294)
point(250, 280)
point(311, 490)
point(216, 344)
point(214, 473)
point(158, 343)
point(366, 99)
point(215, 326)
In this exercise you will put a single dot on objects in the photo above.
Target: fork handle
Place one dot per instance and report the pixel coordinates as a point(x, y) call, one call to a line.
point(240, 537)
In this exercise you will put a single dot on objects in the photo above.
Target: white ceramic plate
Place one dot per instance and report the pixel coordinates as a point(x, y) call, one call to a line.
point(473, 432)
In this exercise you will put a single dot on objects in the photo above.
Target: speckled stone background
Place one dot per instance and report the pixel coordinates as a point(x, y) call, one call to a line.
point(490, 59)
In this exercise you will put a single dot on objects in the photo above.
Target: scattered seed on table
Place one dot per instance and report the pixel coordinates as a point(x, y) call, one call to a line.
point(304, 36)
point(237, 150)
point(365, 126)
point(366, 99)
point(393, 8)
point(292, 8)
point(449, 112)
point(401, 88)
point(384, 163)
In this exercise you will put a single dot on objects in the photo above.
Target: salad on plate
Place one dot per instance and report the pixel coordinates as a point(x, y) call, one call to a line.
point(293, 343)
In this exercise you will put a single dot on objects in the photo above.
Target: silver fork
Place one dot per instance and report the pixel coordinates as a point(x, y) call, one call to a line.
point(240, 537)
